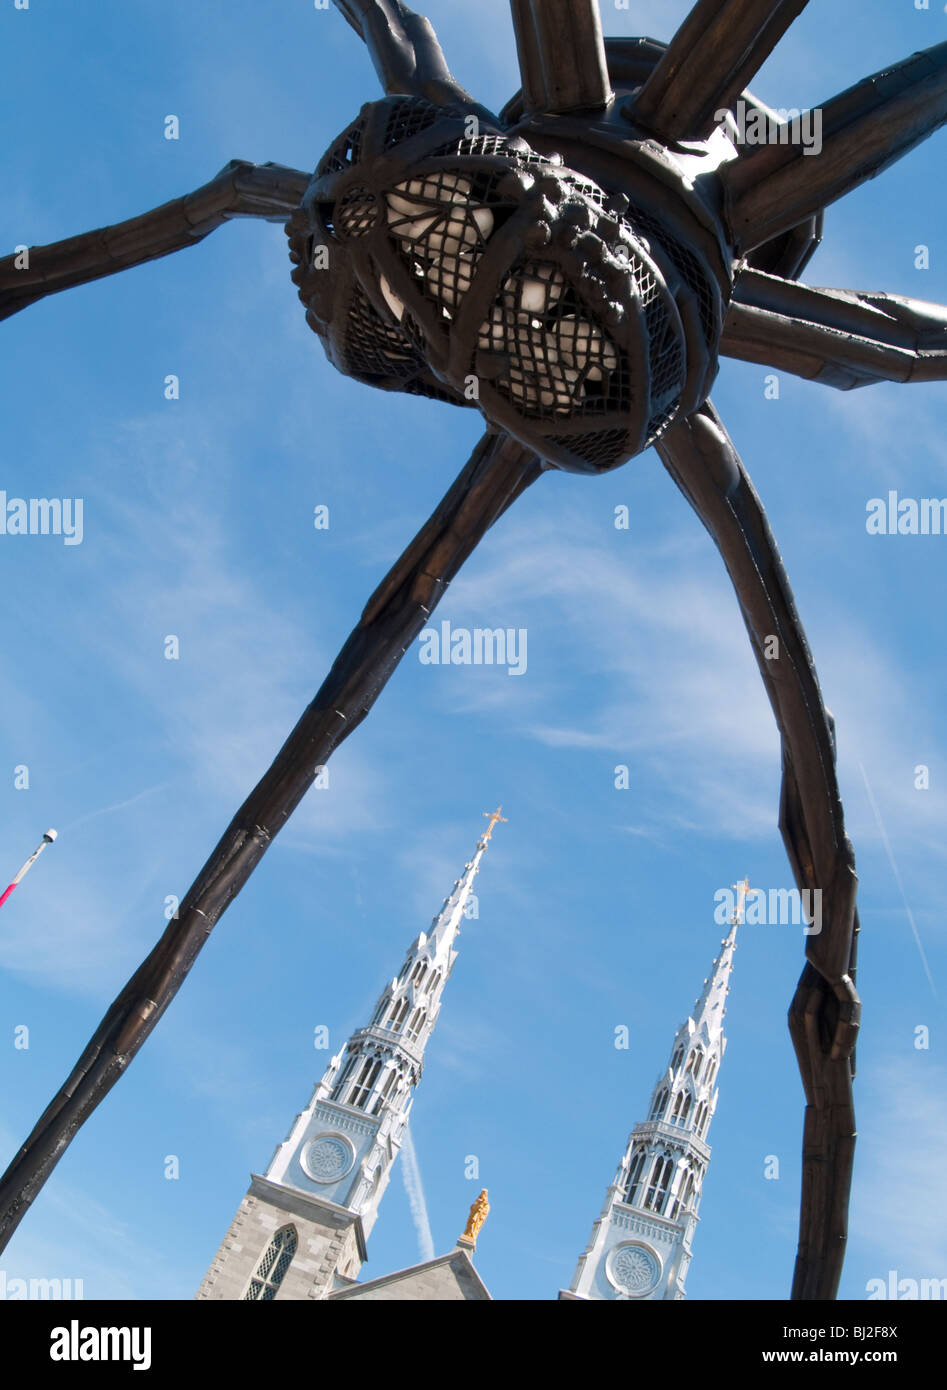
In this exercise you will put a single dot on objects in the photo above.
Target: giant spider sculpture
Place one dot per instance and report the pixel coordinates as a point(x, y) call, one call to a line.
point(572, 267)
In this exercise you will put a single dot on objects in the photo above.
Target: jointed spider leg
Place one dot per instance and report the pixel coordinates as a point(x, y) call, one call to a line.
point(497, 473)
point(400, 41)
point(406, 54)
point(863, 130)
point(824, 1020)
point(712, 57)
point(842, 338)
point(561, 54)
point(268, 191)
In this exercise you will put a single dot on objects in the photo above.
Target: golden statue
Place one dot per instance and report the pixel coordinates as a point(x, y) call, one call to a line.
point(478, 1215)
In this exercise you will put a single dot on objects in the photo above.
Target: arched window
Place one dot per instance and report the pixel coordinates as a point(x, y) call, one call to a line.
point(678, 1057)
point(385, 1090)
point(657, 1109)
point(420, 970)
point(685, 1191)
point(432, 981)
point(634, 1173)
point(711, 1073)
point(665, 1183)
point(688, 1192)
point(674, 1205)
point(363, 1083)
point(344, 1075)
point(682, 1106)
point(694, 1062)
point(397, 1015)
point(271, 1270)
point(416, 1024)
point(660, 1181)
point(699, 1115)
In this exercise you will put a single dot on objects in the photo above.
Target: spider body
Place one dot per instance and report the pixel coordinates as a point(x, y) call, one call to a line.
point(565, 272)
point(442, 259)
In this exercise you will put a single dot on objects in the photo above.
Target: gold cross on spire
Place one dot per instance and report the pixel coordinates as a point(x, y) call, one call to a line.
point(741, 889)
point(493, 817)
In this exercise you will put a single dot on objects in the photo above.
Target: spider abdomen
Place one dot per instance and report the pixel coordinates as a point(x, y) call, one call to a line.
point(439, 259)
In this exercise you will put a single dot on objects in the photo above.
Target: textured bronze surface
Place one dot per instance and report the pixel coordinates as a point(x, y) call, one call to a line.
point(717, 50)
point(268, 191)
point(825, 1012)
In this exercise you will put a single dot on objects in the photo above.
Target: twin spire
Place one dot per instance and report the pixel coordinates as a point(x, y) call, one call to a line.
point(640, 1246)
point(341, 1149)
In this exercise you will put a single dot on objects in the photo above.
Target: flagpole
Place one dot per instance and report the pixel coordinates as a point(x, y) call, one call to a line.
point(47, 839)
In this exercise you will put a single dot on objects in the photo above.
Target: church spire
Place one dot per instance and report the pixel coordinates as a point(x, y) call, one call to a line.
point(301, 1229)
point(446, 924)
point(711, 1005)
point(641, 1244)
point(369, 1088)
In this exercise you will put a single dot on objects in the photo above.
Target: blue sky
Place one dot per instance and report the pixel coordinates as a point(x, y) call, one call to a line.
point(596, 904)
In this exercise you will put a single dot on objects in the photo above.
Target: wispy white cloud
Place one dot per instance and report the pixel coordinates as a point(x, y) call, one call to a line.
point(213, 719)
point(118, 806)
point(670, 685)
point(411, 1173)
point(668, 679)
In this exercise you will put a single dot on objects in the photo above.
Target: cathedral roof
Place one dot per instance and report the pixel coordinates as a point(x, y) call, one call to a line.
point(449, 1278)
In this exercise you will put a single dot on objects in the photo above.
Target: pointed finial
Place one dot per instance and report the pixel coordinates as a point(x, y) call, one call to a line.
point(478, 1215)
point(741, 889)
point(493, 817)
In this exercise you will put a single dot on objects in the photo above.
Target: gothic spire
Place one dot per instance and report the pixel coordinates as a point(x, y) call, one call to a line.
point(711, 1006)
point(343, 1146)
point(300, 1231)
point(641, 1244)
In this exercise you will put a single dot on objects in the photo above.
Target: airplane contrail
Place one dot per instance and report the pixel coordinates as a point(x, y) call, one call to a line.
point(894, 869)
point(119, 806)
point(412, 1185)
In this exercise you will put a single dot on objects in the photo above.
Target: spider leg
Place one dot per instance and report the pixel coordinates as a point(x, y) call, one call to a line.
point(497, 473)
point(561, 54)
point(268, 191)
point(842, 338)
point(406, 54)
point(863, 130)
point(712, 57)
point(825, 1012)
